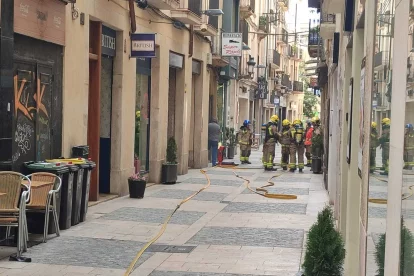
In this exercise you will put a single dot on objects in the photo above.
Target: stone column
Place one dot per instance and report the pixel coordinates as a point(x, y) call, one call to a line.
point(159, 112)
point(182, 114)
point(201, 118)
point(123, 118)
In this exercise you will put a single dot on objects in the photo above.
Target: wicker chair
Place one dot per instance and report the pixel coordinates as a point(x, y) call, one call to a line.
point(43, 198)
point(13, 206)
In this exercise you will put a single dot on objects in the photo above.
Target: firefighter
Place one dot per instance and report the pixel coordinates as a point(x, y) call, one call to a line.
point(271, 138)
point(308, 144)
point(317, 145)
point(384, 142)
point(373, 147)
point(245, 140)
point(285, 141)
point(409, 147)
point(297, 146)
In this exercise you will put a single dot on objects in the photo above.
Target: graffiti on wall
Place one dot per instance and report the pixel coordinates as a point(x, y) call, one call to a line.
point(22, 137)
point(31, 133)
point(21, 99)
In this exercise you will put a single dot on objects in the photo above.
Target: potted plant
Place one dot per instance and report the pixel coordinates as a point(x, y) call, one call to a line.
point(231, 143)
point(325, 252)
point(169, 168)
point(137, 184)
point(406, 251)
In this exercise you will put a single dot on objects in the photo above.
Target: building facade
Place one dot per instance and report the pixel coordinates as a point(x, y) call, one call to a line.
point(94, 93)
point(365, 75)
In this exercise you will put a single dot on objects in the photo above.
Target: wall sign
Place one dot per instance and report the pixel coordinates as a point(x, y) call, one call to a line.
point(143, 45)
point(108, 41)
point(231, 44)
point(40, 19)
point(176, 60)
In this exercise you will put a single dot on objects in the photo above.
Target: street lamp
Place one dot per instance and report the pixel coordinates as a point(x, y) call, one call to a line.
point(250, 65)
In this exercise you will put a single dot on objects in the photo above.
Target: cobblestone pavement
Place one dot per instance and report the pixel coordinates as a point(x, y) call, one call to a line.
point(225, 231)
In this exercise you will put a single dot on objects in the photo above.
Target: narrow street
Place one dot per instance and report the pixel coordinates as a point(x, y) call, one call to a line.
point(225, 230)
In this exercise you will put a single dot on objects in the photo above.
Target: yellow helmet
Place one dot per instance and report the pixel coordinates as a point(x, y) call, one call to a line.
point(373, 125)
point(285, 122)
point(386, 121)
point(274, 118)
point(297, 122)
point(314, 119)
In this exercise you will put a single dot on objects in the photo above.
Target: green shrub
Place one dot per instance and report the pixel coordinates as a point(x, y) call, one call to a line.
point(171, 151)
point(325, 252)
point(407, 254)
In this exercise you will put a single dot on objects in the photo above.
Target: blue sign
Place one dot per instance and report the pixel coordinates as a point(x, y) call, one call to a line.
point(143, 45)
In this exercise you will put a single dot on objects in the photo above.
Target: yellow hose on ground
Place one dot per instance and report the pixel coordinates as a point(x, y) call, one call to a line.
point(384, 201)
point(164, 226)
point(262, 189)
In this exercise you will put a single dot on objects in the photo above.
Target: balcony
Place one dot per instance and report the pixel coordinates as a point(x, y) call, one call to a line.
point(247, 8)
point(189, 12)
point(276, 59)
point(285, 81)
point(327, 28)
point(165, 4)
point(298, 86)
point(314, 42)
point(283, 37)
point(217, 59)
point(380, 60)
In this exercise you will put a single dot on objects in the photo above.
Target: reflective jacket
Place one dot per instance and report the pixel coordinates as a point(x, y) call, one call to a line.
point(285, 136)
point(245, 136)
point(409, 141)
point(271, 132)
point(309, 133)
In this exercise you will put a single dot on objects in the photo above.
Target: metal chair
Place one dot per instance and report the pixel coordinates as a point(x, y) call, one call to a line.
point(13, 206)
point(43, 198)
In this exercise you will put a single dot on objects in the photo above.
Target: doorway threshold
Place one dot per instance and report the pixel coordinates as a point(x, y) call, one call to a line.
point(102, 198)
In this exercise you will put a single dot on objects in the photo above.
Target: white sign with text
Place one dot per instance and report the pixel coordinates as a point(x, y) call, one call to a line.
point(231, 44)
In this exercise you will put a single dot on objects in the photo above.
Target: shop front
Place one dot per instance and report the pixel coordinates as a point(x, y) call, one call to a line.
point(31, 82)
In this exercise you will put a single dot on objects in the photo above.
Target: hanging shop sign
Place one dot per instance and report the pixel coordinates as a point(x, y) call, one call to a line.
point(282, 101)
point(40, 19)
point(143, 45)
point(262, 89)
point(108, 41)
point(231, 44)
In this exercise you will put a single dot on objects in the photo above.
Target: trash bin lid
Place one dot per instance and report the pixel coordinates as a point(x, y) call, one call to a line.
point(47, 167)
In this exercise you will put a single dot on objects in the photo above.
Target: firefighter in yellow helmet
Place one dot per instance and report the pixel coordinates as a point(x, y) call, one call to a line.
point(297, 146)
point(285, 141)
point(245, 141)
point(409, 147)
point(271, 138)
point(384, 142)
point(373, 147)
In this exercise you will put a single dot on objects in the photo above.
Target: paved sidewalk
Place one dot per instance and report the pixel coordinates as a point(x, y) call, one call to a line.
point(225, 230)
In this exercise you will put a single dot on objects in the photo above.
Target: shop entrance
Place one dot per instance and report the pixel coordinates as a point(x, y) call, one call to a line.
point(142, 114)
point(105, 125)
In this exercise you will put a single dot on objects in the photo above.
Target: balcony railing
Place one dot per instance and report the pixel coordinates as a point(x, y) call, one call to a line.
point(314, 37)
point(286, 81)
point(327, 18)
point(195, 6)
point(276, 58)
point(381, 58)
point(298, 86)
point(285, 36)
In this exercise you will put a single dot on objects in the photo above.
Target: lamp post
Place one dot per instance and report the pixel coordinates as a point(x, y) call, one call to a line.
point(250, 66)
